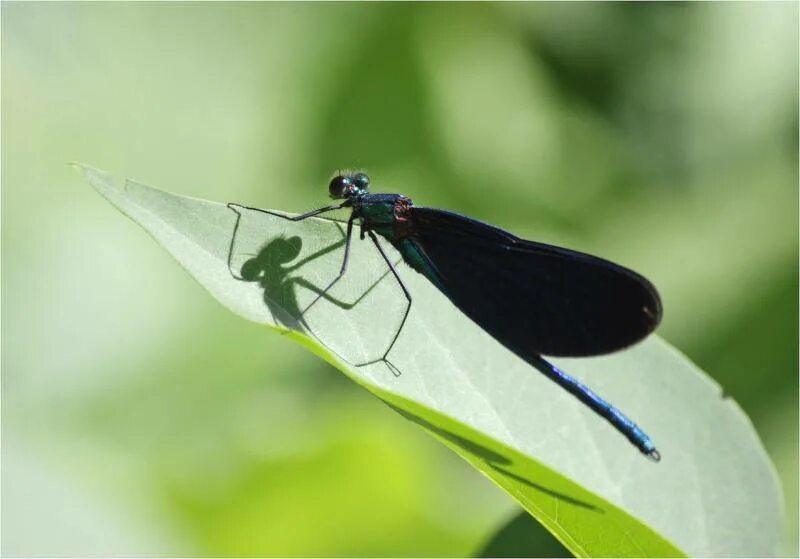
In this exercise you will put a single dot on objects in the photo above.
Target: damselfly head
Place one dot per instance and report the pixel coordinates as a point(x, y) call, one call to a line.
point(348, 185)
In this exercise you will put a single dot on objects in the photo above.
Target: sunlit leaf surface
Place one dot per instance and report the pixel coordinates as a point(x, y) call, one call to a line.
point(569, 469)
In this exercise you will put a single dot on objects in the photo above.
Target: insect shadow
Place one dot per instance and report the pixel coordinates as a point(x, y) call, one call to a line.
point(272, 269)
point(493, 459)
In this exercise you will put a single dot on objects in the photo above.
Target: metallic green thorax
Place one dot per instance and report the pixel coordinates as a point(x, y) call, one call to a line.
point(387, 215)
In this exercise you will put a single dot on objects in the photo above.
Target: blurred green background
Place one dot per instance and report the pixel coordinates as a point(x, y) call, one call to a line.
point(140, 417)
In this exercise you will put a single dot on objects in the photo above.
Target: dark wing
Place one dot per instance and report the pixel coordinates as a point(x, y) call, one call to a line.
point(532, 297)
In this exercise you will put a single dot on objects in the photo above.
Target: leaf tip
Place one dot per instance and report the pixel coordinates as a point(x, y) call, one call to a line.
point(87, 170)
point(100, 180)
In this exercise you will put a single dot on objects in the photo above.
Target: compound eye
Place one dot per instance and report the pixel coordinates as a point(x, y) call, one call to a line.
point(338, 186)
point(362, 180)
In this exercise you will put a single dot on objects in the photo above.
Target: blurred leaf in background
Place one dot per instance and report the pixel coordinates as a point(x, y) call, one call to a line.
point(522, 536)
point(139, 417)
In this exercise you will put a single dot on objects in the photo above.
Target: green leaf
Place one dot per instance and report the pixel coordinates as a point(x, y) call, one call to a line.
point(713, 494)
point(522, 536)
